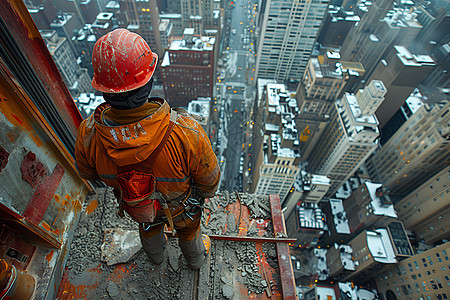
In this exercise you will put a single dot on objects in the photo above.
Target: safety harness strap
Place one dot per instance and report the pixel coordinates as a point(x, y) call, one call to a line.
point(146, 166)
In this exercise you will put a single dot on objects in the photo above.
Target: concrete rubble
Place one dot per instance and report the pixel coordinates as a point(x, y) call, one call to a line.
point(230, 262)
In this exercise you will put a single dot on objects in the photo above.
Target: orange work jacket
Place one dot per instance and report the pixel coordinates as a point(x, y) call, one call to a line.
point(187, 158)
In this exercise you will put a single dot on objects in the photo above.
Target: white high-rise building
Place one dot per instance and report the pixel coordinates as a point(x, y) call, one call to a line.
point(371, 97)
point(350, 138)
point(288, 32)
point(418, 149)
point(278, 156)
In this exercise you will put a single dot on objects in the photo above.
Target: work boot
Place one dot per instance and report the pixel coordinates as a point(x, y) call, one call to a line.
point(207, 242)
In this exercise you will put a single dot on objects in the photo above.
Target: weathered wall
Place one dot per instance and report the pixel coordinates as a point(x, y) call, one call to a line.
point(41, 194)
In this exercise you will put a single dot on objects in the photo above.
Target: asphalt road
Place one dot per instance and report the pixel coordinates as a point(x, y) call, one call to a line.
point(236, 94)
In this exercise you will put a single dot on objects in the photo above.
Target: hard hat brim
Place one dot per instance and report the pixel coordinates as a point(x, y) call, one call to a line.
point(141, 83)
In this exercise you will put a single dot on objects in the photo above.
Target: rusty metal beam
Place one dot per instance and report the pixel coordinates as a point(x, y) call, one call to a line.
point(27, 229)
point(26, 36)
point(283, 253)
point(252, 239)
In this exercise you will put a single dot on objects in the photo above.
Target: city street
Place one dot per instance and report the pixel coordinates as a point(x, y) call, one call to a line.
point(235, 93)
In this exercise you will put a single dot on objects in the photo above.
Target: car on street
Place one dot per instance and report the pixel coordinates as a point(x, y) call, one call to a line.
point(233, 31)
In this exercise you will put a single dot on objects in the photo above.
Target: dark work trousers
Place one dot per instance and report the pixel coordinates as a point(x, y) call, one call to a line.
point(189, 239)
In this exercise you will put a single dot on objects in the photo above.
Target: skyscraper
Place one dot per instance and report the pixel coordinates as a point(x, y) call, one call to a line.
point(191, 59)
point(426, 209)
point(325, 79)
point(424, 275)
point(350, 137)
point(76, 78)
point(143, 18)
point(401, 72)
point(288, 32)
point(278, 156)
point(398, 27)
point(418, 150)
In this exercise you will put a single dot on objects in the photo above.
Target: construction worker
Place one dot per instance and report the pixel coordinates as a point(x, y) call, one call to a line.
point(158, 159)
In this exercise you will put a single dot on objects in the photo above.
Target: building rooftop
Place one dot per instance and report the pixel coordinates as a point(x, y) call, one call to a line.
point(359, 118)
point(88, 102)
point(198, 43)
point(262, 84)
point(346, 254)
point(170, 16)
point(189, 31)
point(113, 4)
point(104, 16)
point(352, 291)
point(379, 208)
point(271, 127)
point(402, 17)
point(200, 107)
point(320, 180)
point(339, 216)
point(380, 246)
point(273, 93)
point(411, 60)
point(325, 293)
point(348, 289)
point(344, 191)
point(132, 27)
point(322, 268)
point(310, 216)
point(164, 24)
point(275, 143)
point(61, 19)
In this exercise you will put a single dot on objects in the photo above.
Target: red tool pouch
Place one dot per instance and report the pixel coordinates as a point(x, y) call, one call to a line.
point(137, 185)
point(137, 188)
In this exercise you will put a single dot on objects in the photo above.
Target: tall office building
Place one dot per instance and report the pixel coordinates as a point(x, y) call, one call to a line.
point(401, 72)
point(43, 13)
point(307, 188)
point(65, 25)
point(84, 10)
point(336, 26)
point(369, 206)
point(411, 105)
point(418, 150)
point(188, 68)
point(425, 210)
point(325, 79)
point(288, 32)
point(423, 276)
point(349, 139)
point(340, 261)
point(398, 27)
point(143, 18)
point(372, 251)
point(278, 156)
point(76, 78)
point(373, 13)
point(197, 14)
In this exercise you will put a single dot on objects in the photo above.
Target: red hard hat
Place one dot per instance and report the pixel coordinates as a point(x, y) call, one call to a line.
point(122, 61)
